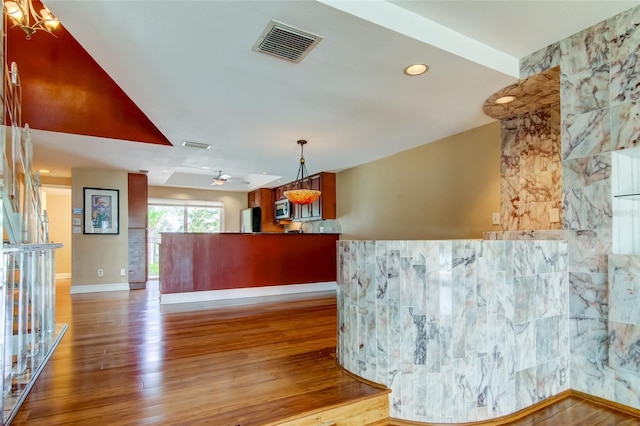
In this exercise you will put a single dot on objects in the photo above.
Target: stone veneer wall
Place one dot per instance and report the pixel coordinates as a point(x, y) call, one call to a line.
point(600, 89)
point(460, 331)
point(531, 170)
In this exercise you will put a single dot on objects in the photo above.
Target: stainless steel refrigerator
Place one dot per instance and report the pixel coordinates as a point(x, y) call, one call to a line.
point(250, 219)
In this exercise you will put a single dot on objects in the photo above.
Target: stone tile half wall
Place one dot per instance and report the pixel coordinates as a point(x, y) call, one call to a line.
point(460, 331)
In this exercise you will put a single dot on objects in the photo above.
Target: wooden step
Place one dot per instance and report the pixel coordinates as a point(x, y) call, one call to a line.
point(373, 410)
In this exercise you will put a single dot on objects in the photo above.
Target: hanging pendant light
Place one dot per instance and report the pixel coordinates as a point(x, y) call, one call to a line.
point(302, 192)
point(24, 14)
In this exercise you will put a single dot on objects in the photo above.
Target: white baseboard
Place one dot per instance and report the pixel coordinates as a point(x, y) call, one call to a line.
point(98, 288)
point(63, 275)
point(240, 293)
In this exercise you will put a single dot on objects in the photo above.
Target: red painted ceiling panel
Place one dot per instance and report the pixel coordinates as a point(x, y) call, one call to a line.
point(65, 90)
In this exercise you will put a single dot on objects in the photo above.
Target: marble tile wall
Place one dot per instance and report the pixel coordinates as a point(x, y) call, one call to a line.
point(588, 253)
point(461, 331)
point(600, 90)
point(531, 170)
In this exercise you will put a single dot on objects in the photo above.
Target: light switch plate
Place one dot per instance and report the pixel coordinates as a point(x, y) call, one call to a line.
point(495, 218)
point(554, 215)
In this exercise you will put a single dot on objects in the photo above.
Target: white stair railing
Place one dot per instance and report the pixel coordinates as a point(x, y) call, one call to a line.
point(28, 313)
point(27, 270)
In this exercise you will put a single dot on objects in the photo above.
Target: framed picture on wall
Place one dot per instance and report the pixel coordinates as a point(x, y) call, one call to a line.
point(101, 211)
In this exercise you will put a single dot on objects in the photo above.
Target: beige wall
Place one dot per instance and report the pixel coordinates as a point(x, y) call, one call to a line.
point(57, 202)
point(447, 189)
point(88, 253)
point(442, 190)
point(233, 201)
point(93, 252)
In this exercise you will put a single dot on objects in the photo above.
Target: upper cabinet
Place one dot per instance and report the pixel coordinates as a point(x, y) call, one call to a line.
point(278, 193)
point(255, 198)
point(325, 206)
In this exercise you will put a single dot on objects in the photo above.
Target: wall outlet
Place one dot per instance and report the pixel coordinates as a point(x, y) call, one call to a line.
point(495, 218)
point(123, 272)
point(563, 376)
point(100, 272)
point(554, 215)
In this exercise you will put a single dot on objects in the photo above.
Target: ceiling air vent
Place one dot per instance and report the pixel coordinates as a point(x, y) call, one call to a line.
point(286, 42)
point(197, 145)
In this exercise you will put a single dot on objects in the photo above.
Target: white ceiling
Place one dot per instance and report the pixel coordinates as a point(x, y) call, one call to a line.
point(190, 68)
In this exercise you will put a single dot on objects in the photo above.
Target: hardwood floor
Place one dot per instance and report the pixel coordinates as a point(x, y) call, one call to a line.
point(124, 362)
point(575, 411)
point(127, 361)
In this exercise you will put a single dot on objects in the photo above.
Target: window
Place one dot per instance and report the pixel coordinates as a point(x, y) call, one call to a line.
point(180, 216)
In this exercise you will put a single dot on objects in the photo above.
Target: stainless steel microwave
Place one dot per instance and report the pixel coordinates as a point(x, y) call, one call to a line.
point(283, 209)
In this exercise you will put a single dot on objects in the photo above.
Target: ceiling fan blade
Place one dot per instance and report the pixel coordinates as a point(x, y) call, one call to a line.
point(220, 179)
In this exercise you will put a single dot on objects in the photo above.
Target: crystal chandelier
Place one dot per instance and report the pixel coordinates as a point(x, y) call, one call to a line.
point(303, 194)
point(23, 14)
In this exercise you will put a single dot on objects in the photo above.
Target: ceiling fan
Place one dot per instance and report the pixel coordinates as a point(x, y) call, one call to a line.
point(220, 179)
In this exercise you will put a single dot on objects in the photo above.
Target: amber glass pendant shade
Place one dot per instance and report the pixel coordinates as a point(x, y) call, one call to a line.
point(303, 194)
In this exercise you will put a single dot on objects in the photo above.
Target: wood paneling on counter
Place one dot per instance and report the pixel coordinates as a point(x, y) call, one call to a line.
point(199, 262)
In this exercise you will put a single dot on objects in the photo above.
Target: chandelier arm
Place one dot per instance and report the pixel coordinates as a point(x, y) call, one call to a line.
point(39, 16)
point(43, 20)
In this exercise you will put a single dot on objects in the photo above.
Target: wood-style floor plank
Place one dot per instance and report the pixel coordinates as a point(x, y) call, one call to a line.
point(127, 361)
point(575, 411)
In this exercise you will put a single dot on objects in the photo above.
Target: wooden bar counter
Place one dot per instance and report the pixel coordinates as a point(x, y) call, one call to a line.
point(192, 262)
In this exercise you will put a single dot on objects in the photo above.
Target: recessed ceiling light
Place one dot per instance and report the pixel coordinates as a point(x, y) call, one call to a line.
point(505, 99)
point(44, 171)
point(416, 69)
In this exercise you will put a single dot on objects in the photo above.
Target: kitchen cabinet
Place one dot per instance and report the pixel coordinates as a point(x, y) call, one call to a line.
point(325, 206)
point(264, 199)
point(255, 198)
point(278, 193)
